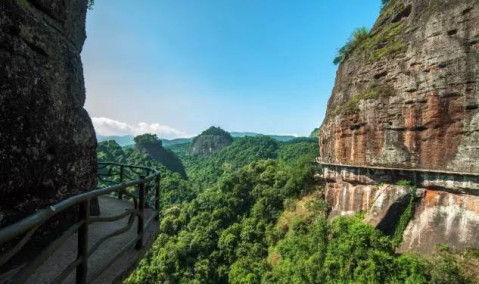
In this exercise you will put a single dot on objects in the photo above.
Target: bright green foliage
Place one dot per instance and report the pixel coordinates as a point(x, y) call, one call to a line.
point(205, 171)
point(230, 226)
point(358, 36)
point(174, 187)
point(344, 251)
point(110, 151)
point(314, 133)
point(221, 235)
point(298, 149)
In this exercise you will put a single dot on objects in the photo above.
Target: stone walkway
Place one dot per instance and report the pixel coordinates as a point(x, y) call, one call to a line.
point(109, 206)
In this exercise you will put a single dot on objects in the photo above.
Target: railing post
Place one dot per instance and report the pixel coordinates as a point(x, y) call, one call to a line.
point(157, 197)
point(141, 208)
point(82, 268)
point(120, 194)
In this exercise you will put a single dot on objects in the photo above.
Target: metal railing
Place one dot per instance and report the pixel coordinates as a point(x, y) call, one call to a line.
point(122, 178)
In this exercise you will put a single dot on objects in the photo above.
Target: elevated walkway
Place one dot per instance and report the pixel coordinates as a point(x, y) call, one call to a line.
point(460, 182)
point(117, 268)
point(97, 249)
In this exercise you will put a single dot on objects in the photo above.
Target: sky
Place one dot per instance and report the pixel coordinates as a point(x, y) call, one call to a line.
point(176, 67)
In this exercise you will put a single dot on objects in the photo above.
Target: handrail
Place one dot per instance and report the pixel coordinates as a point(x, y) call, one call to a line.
point(30, 224)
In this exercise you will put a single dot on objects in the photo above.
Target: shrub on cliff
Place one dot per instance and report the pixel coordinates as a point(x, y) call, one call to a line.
point(358, 36)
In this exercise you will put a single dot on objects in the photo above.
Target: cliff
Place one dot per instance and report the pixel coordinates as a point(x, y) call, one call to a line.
point(47, 141)
point(210, 141)
point(409, 94)
point(407, 97)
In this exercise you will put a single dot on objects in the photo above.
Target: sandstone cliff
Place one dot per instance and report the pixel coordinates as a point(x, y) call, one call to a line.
point(47, 140)
point(408, 97)
point(409, 94)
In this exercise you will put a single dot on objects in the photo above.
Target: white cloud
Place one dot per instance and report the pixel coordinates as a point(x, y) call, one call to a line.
point(107, 127)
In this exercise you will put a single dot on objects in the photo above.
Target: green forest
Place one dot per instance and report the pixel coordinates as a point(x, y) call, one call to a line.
point(254, 213)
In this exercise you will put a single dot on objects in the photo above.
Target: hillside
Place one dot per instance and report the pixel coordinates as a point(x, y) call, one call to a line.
point(256, 214)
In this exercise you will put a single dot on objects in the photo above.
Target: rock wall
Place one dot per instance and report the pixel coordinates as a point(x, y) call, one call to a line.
point(442, 218)
point(47, 141)
point(408, 97)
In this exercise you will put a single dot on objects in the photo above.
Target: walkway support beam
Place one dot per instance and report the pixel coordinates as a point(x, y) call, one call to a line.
point(82, 268)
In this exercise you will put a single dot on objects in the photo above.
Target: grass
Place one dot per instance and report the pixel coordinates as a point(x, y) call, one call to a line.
point(390, 8)
point(386, 42)
point(352, 105)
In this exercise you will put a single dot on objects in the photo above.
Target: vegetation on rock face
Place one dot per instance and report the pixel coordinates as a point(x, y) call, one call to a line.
point(384, 41)
point(358, 36)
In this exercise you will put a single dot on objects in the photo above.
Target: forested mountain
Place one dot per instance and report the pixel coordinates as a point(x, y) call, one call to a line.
point(210, 141)
point(254, 213)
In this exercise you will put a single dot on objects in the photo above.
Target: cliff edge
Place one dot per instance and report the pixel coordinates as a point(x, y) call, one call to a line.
point(48, 145)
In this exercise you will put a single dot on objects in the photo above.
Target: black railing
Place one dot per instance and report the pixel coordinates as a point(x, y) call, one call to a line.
point(122, 179)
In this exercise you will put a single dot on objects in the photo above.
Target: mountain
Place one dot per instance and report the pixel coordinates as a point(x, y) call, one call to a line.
point(210, 141)
point(281, 138)
point(121, 140)
point(176, 141)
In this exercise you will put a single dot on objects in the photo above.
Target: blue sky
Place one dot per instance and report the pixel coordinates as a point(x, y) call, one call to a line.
point(176, 67)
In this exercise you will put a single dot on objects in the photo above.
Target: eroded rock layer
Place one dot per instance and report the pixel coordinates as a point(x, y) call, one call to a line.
point(408, 96)
point(47, 141)
point(443, 218)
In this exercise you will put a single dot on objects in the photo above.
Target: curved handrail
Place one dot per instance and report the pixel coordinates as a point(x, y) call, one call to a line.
point(31, 223)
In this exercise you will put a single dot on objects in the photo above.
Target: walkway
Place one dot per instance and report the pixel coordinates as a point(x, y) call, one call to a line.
point(106, 253)
point(460, 182)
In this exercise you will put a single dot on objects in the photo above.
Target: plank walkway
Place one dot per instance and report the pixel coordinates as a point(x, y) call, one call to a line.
point(119, 269)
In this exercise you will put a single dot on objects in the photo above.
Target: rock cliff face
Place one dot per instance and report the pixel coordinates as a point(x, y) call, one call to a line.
point(210, 141)
point(47, 141)
point(408, 97)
